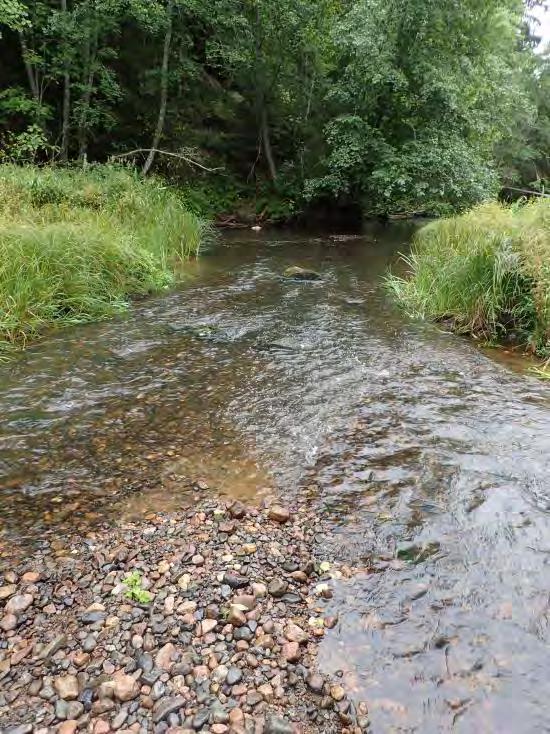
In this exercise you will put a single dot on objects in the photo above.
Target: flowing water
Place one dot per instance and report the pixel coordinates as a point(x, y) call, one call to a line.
point(429, 459)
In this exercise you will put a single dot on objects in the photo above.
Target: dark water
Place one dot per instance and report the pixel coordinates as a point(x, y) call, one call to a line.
point(430, 459)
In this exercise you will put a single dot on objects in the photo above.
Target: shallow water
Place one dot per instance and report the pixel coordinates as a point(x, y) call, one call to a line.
point(429, 458)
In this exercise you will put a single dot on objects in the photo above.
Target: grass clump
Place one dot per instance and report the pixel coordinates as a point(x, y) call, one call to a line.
point(486, 272)
point(76, 244)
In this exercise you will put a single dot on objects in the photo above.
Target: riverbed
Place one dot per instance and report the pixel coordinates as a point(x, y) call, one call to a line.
point(428, 458)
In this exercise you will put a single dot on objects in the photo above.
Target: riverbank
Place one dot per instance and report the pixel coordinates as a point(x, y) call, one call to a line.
point(201, 621)
point(485, 273)
point(77, 244)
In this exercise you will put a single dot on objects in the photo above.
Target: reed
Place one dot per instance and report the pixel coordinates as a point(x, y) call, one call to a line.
point(76, 245)
point(486, 273)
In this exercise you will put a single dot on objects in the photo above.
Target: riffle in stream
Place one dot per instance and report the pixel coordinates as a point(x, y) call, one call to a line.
point(430, 460)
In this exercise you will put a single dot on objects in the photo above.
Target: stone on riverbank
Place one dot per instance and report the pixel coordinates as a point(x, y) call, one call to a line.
point(228, 651)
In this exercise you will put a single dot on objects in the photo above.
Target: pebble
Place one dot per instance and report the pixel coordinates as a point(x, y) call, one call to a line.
point(235, 617)
point(337, 692)
point(19, 603)
point(68, 727)
point(208, 625)
point(66, 687)
point(315, 682)
point(217, 650)
point(235, 580)
point(89, 643)
point(279, 514)
point(291, 652)
point(234, 675)
point(125, 687)
point(8, 622)
point(164, 657)
point(294, 633)
point(278, 725)
point(200, 719)
point(277, 588)
point(167, 706)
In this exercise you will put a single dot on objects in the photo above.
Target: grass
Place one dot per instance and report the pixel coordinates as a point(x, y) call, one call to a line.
point(486, 273)
point(76, 245)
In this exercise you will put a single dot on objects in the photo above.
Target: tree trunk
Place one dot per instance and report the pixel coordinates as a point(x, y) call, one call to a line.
point(90, 51)
point(31, 72)
point(266, 140)
point(163, 91)
point(66, 104)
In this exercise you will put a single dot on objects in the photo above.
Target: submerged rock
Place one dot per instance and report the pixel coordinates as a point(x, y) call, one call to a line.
point(295, 272)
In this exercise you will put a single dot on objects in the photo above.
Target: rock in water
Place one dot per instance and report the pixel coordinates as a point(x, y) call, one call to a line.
point(295, 272)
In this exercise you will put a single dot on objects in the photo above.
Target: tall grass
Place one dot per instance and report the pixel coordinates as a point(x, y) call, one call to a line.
point(486, 272)
point(76, 245)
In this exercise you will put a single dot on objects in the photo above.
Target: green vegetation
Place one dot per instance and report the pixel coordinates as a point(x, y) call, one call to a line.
point(486, 272)
point(135, 590)
point(266, 108)
point(75, 245)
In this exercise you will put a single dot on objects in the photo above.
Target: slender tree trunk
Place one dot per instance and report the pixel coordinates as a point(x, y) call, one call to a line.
point(266, 140)
point(31, 71)
point(163, 91)
point(66, 103)
point(90, 50)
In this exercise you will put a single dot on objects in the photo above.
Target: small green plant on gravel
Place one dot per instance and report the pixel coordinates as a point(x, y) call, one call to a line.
point(135, 590)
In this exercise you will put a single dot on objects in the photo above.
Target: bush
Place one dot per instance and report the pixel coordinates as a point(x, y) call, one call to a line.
point(75, 245)
point(487, 272)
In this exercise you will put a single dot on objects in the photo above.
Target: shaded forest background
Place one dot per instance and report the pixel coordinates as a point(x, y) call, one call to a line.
point(264, 108)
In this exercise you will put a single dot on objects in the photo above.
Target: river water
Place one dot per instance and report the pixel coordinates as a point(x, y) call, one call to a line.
point(429, 459)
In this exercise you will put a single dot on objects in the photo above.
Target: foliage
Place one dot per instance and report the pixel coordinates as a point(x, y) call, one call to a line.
point(394, 105)
point(486, 273)
point(135, 590)
point(422, 104)
point(74, 244)
point(13, 14)
point(26, 146)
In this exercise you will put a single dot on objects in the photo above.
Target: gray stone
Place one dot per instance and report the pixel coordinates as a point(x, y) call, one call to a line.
point(167, 706)
point(235, 580)
point(89, 643)
point(234, 675)
point(278, 725)
point(52, 647)
point(277, 588)
point(200, 719)
point(92, 617)
point(18, 604)
point(243, 633)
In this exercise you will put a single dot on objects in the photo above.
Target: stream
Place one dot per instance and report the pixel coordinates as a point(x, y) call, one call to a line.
point(429, 459)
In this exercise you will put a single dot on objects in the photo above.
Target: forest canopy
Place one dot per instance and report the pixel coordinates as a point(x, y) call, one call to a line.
point(391, 106)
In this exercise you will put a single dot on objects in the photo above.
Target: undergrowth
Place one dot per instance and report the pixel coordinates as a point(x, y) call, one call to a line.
point(76, 245)
point(486, 273)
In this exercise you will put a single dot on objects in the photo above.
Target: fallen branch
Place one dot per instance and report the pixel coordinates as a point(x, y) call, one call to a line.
point(168, 153)
point(527, 191)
